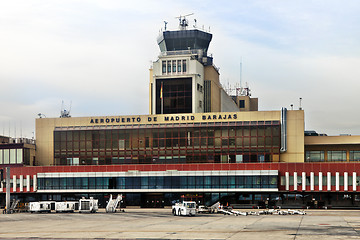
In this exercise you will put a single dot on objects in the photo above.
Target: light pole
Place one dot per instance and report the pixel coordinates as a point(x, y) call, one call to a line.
point(7, 189)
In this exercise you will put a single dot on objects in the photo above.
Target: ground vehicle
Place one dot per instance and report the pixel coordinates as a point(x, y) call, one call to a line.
point(212, 209)
point(113, 203)
point(88, 205)
point(66, 206)
point(43, 206)
point(185, 208)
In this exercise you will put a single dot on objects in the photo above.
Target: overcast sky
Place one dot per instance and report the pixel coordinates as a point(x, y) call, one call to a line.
point(95, 56)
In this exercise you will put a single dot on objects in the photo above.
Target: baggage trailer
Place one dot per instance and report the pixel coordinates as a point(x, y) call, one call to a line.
point(42, 206)
point(66, 206)
point(88, 205)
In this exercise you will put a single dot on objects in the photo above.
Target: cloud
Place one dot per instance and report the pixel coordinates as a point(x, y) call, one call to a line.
point(96, 55)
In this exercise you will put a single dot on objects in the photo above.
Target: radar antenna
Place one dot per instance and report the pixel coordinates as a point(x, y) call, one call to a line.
point(183, 22)
point(195, 23)
point(64, 113)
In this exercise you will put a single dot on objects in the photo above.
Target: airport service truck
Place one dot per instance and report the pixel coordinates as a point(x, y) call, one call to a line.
point(185, 208)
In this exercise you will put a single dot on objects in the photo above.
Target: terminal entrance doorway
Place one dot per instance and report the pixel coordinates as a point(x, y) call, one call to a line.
point(152, 200)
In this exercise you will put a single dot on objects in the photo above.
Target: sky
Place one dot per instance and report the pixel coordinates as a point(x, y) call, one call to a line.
point(93, 56)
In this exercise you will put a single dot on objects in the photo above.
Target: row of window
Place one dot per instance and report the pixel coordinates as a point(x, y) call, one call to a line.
point(158, 182)
point(11, 156)
point(316, 180)
point(170, 159)
point(179, 145)
point(18, 181)
point(175, 66)
point(256, 136)
point(332, 156)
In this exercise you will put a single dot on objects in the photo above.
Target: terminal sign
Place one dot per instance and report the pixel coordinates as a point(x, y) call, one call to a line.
point(162, 118)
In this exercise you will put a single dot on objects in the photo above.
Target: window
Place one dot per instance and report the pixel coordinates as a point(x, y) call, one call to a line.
point(354, 156)
point(6, 156)
point(314, 156)
point(169, 66)
point(200, 104)
point(336, 156)
point(241, 103)
point(12, 156)
point(179, 66)
point(199, 87)
point(184, 65)
point(174, 66)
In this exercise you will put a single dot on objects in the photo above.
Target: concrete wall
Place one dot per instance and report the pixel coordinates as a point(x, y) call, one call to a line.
point(227, 104)
point(45, 128)
point(295, 137)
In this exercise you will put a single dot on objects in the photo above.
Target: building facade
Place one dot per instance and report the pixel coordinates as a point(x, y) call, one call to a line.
point(197, 143)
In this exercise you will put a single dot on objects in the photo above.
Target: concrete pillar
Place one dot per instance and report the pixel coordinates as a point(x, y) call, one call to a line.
point(354, 182)
point(34, 183)
point(303, 181)
point(28, 183)
point(312, 188)
point(346, 181)
point(14, 183)
point(21, 183)
point(320, 181)
point(287, 181)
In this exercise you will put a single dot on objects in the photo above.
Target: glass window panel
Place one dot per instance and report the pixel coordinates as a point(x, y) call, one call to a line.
point(199, 181)
point(336, 156)
point(314, 156)
point(174, 65)
point(12, 156)
point(273, 181)
point(354, 155)
point(62, 183)
point(175, 182)
point(92, 183)
point(169, 66)
point(341, 180)
point(350, 180)
point(231, 182)
point(19, 155)
point(183, 182)
point(120, 183)
point(191, 181)
point(248, 181)
point(84, 183)
point(1, 156)
point(152, 182)
point(223, 182)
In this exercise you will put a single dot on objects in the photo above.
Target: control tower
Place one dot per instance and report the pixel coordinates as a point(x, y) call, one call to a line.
point(184, 79)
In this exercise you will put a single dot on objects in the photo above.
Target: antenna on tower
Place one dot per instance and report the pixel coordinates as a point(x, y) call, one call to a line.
point(165, 22)
point(195, 23)
point(64, 113)
point(183, 22)
point(241, 72)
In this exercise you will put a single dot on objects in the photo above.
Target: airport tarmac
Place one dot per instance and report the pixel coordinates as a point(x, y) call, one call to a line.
point(161, 224)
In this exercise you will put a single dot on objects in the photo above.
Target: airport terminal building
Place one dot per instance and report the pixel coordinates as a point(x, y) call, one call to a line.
point(197, 143)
